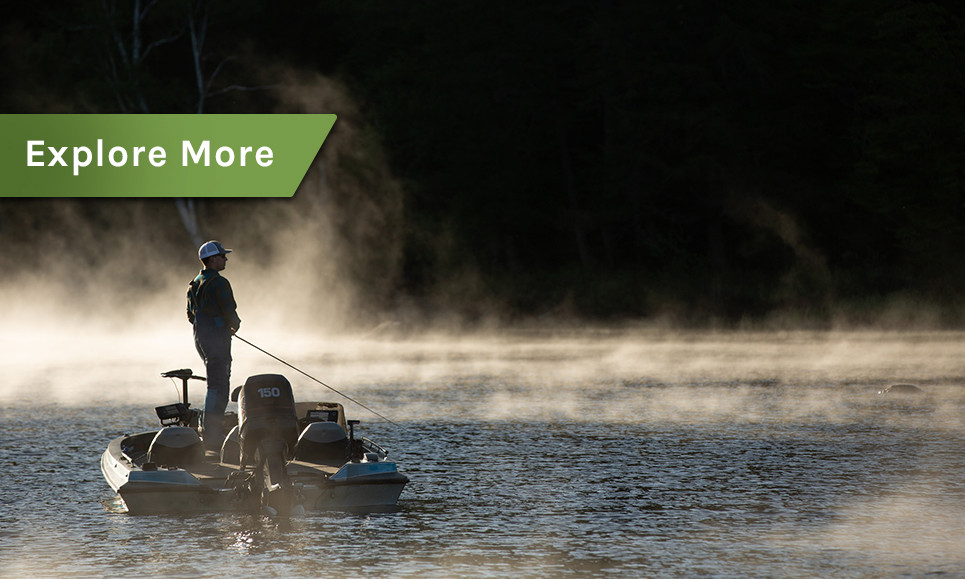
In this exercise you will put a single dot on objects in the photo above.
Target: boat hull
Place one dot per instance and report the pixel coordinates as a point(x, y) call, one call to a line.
point(353, 486)
point(357, 486)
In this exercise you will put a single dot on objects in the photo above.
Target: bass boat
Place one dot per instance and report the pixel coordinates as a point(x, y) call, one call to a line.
point(282, 456)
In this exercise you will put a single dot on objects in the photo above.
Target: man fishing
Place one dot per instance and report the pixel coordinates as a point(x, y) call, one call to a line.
point(212, 309)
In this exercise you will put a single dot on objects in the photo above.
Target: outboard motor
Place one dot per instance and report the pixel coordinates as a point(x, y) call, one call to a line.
point(266, 416)
point(268, 429)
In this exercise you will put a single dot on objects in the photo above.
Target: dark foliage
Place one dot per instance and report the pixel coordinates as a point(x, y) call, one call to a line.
point(719, 159)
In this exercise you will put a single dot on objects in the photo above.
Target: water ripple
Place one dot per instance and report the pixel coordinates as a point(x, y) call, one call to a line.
point(757, 479)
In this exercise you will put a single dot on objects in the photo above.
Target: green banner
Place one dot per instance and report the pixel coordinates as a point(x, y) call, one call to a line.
point(158, 155)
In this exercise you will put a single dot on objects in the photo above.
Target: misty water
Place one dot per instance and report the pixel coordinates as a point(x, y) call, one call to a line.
point(584, 453)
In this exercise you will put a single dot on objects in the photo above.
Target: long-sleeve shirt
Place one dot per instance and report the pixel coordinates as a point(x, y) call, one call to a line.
point(210, 295)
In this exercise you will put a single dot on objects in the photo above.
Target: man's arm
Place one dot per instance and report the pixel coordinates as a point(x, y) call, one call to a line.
point(190, 304)
point(226, 302)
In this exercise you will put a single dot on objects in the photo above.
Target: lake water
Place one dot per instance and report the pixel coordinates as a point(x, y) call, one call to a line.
point(623, 454)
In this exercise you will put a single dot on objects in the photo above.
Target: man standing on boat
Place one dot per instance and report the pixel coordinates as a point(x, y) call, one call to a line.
point(212, 310)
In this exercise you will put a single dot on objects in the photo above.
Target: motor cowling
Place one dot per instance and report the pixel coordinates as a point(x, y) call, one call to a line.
point(266, 414)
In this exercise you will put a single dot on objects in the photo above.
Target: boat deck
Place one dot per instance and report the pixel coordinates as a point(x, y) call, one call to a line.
point(213, 472)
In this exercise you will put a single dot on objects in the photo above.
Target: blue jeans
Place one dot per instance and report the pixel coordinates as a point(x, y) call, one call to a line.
point(213, 343)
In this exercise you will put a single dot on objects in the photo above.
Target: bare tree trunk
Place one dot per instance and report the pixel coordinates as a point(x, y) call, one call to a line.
point(189, 217)
point(125, 57)
point(198, 29)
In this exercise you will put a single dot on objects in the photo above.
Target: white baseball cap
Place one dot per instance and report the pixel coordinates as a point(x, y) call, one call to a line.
point(211, 248)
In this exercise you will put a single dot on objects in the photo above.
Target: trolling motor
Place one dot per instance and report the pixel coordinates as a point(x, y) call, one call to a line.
point(180, 413)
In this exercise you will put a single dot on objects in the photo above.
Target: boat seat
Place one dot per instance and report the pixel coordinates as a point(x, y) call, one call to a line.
point(176, 446)
point(322, 443)
point(231, 447)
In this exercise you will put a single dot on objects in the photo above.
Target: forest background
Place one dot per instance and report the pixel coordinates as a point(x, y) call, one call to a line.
point(701, 163)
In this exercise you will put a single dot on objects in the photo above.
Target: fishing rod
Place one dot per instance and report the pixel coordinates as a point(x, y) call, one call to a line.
point(346, 396)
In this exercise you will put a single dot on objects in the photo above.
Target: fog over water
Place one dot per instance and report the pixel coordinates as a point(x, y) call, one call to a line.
point(77, 360)
point(630, 451)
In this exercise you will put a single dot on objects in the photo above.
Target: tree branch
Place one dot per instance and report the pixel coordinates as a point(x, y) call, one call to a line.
point(161, 42)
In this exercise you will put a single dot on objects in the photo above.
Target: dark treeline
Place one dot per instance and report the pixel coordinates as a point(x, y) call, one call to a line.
point(713, 160)
point(730, 158)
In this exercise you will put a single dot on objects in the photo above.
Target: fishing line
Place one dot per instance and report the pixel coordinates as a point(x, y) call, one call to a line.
point(346, 396)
